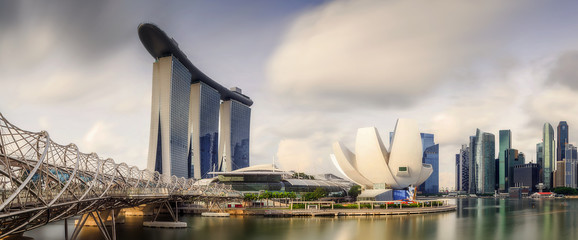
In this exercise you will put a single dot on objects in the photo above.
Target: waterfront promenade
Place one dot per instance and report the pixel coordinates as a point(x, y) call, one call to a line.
point(352, 212)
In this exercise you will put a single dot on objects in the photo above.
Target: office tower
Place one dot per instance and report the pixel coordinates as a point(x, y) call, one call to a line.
point(527, 175)
point(505, 144)
point(234, 147)
point(512, 159)
point(571, 166)
point(559, 174)
point(485, 162)
point(562, 140)
point(185, 110)
point(472, 165)
point(522, 158)
point(430, 156)
point(496, 174)
point(548, 156)
point(540, 160)
point(462, 169)
point(457, 176)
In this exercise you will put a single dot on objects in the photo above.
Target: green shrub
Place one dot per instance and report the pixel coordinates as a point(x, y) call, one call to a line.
point(299, 206)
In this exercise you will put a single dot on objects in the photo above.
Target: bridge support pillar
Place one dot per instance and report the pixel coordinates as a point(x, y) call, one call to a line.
point(99, 220)
point(166, 224)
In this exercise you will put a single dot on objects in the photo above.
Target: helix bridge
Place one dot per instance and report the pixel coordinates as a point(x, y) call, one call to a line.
point(42, 182)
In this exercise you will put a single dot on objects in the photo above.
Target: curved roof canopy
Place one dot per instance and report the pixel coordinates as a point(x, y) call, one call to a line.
point(158, 44)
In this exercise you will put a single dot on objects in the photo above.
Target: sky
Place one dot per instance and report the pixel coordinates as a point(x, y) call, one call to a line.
point(316, 70)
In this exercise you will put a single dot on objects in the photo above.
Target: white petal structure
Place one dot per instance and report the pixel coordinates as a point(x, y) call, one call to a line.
point(373, 164)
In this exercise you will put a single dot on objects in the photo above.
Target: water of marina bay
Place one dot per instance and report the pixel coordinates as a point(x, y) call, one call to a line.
point(474, 219)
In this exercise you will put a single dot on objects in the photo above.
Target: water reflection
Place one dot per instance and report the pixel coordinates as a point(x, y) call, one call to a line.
point(474, 219)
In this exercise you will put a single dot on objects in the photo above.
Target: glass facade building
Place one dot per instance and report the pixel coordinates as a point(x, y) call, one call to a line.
point(540, 159)
point(234, 142)
point(571, 159)
point(485, 152)
point(205, 131)
point(463, 169)
point(548, 155)
point(512, 159)
point(184, 137)
point(472, 165)
point(430, 156)
point(505, 144)
point(240, 131)
point(169, 139)
point(562, 140)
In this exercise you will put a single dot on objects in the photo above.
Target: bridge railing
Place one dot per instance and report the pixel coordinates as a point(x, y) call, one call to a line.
point(42, 181)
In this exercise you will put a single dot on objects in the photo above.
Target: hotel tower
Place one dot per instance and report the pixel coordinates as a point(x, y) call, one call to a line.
point(188, 110)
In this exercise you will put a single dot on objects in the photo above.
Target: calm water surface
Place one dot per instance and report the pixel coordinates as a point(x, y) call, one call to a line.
point(475, 219)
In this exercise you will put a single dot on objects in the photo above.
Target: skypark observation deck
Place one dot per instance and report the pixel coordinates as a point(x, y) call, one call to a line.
point(159, 45)
point(42, 182)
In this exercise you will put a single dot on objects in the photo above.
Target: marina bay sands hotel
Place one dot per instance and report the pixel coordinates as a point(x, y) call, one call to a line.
point(197, 125)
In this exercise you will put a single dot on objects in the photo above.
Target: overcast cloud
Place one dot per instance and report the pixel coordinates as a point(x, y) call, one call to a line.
point(317, 71)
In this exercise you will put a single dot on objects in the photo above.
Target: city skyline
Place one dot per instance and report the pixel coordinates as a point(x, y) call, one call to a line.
point(493, 66)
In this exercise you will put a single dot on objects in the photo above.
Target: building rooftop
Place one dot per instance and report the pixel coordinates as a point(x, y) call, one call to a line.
point(159, 45)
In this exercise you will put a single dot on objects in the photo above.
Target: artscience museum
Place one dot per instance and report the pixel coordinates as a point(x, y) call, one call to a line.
point(374, 167)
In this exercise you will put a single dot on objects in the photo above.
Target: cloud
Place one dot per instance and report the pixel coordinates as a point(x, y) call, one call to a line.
point(383, 53)
point(565, 70)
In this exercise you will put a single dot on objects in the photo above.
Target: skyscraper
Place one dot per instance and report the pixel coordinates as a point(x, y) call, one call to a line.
point(472, 165)
point(548, 157)
point(562, 138)
point(170, 110)
point(457, 176)
point(571, 166)
point(512, 159)
point(234, 147)
point(185, 110)
point(430, 156)
point(205, 104)
point(505, 144)
point(540, 160)
point(527, 175)
point(462, 169)
point(559, 175)
point(485, 162)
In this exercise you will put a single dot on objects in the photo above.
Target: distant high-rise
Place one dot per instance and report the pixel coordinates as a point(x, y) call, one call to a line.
point(540, 160)
point(185, 110)
point(462, 169)
point(571, 160)
point(512, 159)
point(485, 151)
point(457, 176)
point(548, 156)
point(472, 165)
point(505, 144)
point(430, 156)
point(522, 157)
point(527, 175)
point(559, 175)
point(562, 140)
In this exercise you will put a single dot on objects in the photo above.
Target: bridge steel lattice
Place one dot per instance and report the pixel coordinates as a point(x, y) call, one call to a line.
point(42, 182)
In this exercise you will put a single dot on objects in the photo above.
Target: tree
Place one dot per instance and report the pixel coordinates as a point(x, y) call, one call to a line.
point(565, 190)
point(300, 175)
point(354, 191)
point(315, 195)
